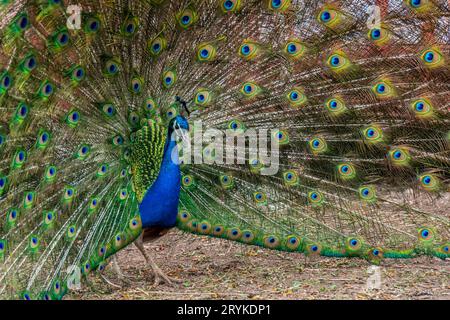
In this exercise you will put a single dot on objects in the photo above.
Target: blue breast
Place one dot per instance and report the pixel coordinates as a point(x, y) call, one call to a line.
point(159, 208)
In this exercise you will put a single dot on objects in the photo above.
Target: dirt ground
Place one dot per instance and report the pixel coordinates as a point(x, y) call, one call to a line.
point(220, 269)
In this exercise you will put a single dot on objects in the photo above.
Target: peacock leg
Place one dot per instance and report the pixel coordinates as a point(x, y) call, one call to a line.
point(160, 276)
point(109, 282)
point(122, 276)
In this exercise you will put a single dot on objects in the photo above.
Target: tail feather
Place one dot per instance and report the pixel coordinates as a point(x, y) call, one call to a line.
point(359, 109)
point(376, 150)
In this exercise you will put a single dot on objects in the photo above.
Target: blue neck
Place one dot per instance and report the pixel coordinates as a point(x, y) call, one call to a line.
point(159, 208)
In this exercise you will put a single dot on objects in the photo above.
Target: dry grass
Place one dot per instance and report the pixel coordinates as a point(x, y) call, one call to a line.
point(219, 269)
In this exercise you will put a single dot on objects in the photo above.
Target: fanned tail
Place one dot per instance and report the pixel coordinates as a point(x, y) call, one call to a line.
point(67, 200)
point(358, 107)
point(361, 116)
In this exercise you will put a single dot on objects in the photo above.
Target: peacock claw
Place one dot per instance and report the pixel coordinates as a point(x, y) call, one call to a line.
point(159, 276)
point(162, 278)
point(122, 276)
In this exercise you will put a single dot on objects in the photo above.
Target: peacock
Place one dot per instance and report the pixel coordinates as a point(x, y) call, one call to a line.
point(115, 118)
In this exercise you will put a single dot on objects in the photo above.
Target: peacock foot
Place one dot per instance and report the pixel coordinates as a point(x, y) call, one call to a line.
point(120, 274)
point(162, 278)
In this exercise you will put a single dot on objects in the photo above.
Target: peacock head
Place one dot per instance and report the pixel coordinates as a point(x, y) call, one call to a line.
point(179, 125)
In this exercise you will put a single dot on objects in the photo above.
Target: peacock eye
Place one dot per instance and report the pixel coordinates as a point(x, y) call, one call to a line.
point(22, 111)
point(346, 171)
point(428, 56)
point(157, 45)
point(187, 18)
point(22, 22)
point(372, 134)
point(432, 58)
point(294, 49)
point(136, 85)
point(422, 108)
point(338, 62)
point(294, 96)
point(250, 89)
point(48, 89)
point(235, 125)
point(169, 79)
point(335, 106)
point(111, 67)
point(315, 198)
point(275, 3)
point(230, 5)
point(430, 182)
point(108, 110)
point(118, 140)
point(279, 5)
point(290, 178)
point(328, 17)
point(383, 89)
point(425, 234)
point(73, 118)
point(379, 36)
point(249, 50)
point(325, 16)
point(63, 38)
point(335, 60)
point(399, 156)
point(419, 106)
point(204, 53)
point(416, 3)
point(318, 145)
point(30, 63)
point(5, 82)
point(375, 34)
point(77, 74)
point(93, 26)
point(130, 26)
